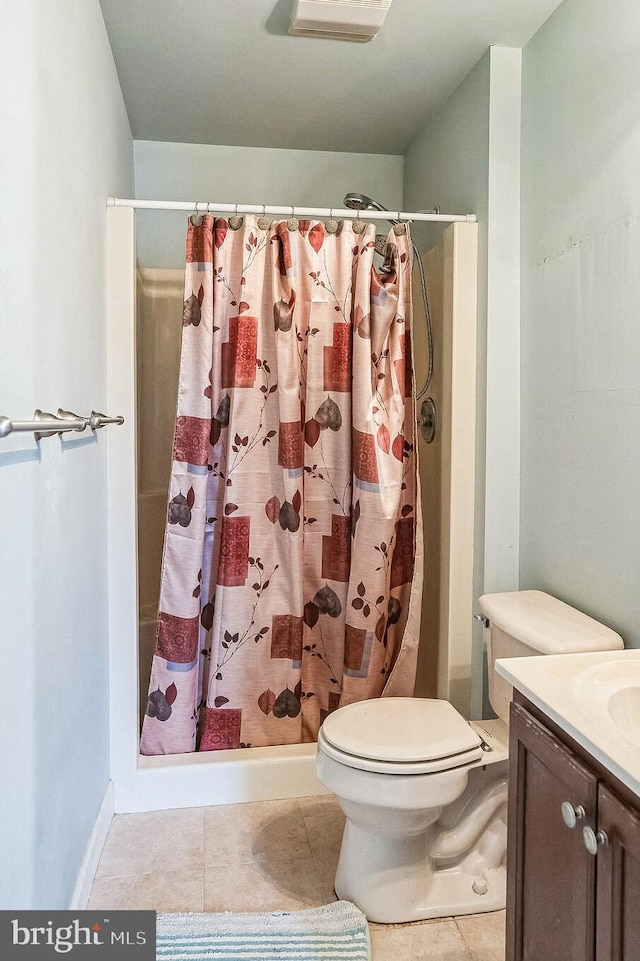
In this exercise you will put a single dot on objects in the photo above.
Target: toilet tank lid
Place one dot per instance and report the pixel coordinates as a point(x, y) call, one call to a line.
point(547, 624)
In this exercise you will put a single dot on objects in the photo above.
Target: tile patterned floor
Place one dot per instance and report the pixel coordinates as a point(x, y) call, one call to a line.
point(271, 855)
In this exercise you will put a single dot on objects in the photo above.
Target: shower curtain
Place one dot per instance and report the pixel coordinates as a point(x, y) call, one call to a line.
point(289, 583)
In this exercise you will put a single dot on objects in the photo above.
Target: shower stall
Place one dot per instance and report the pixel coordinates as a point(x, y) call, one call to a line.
point(145, 306)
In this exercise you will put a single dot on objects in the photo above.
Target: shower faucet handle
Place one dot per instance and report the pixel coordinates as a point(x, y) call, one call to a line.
point(427, 419)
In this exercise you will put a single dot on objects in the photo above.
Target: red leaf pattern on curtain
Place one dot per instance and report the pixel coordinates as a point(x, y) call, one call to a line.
point(316, 237)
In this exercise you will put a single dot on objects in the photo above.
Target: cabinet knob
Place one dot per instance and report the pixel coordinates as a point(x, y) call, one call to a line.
point(571, 815)
point(592, 840)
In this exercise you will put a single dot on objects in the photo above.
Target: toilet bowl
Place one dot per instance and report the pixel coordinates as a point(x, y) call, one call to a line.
point(424, 791)
point(410, 847)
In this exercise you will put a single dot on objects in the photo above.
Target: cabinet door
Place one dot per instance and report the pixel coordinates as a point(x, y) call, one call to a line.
point(618, 886)
point(550, 874)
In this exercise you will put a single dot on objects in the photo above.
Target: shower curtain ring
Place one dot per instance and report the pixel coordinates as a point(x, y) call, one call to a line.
point(235, 222)
point(195, 218)
point(331, 225)
point(263, 222)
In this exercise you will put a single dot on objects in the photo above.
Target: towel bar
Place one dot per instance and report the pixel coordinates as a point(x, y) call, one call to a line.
point(45, 424)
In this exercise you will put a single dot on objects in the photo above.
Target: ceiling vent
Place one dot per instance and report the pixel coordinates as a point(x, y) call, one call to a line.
point(357, 20)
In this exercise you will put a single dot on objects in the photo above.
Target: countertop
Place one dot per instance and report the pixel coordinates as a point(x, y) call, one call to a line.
point(594, 697)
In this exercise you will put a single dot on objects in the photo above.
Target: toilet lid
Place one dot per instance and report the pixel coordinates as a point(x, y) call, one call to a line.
point(471, 758)
point(400, 730)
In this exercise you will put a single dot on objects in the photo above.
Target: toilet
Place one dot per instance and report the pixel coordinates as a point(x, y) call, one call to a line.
point(424, 791)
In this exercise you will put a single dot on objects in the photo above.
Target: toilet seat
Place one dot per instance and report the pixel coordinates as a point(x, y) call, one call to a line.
point(400, 735)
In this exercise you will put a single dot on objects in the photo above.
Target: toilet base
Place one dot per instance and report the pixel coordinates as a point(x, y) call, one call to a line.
point(387, 898)
point(414, 890)
point(398, 868)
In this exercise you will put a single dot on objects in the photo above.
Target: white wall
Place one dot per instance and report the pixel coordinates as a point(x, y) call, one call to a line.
point(580, 530)
point(467, 160)
point(66, 144)
point(182, 171)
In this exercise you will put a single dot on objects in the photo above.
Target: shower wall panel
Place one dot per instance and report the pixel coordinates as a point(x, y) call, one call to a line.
point(159, 295)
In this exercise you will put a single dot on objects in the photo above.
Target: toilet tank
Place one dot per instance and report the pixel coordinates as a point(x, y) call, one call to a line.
point(522, 623)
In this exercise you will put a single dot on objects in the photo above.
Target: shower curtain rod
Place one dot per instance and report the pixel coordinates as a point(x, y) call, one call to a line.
point(341, 213)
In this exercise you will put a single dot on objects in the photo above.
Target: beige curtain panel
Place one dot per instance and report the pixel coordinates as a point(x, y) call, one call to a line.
point(290, 547)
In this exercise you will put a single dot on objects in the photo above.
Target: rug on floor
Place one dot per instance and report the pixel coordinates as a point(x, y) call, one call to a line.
point(334, 932)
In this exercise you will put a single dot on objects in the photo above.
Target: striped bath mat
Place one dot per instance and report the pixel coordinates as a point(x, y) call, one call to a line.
point(335, 932)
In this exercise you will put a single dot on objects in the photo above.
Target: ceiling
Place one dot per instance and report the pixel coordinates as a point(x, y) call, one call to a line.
point(227, 72)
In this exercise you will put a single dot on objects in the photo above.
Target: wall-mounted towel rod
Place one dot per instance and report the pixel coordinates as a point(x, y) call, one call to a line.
point(98, 420)
point(45, 424)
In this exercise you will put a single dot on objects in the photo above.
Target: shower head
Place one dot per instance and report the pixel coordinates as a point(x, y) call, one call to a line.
point(361, 202)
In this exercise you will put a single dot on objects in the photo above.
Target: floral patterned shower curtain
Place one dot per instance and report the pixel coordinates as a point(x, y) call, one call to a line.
point(289, 558)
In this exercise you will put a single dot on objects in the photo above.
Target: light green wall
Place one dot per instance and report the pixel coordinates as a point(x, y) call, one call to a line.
point(448, 162)
point(467, 160)
point(182, 171)
point(66, 144)
point(580, 521)
point(448, 165)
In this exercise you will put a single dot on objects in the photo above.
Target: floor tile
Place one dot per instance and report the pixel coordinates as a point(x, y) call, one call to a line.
point(316, 801)
point(264, 856)
point(160, 841)
point(286, 885)
point(263, 831)
point(484, 935)
point(165, 891)
point(325, 825)
point(428, 941)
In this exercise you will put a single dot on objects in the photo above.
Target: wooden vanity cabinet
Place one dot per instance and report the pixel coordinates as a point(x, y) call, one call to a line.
point(618, 880)
point(563, 902)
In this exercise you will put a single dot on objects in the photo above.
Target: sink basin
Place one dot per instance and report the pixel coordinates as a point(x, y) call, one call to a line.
point(624, 710)
point(608, 694)
point(593, 696)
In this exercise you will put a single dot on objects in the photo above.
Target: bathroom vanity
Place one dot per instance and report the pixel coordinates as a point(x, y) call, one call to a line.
point(573, 875)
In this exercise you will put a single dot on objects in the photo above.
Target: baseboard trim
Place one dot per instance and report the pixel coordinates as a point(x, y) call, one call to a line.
point(92, 853)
